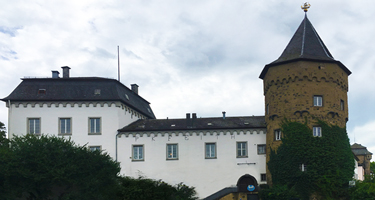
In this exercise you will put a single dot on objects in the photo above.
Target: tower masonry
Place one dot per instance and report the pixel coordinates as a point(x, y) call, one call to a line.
point(304, 84)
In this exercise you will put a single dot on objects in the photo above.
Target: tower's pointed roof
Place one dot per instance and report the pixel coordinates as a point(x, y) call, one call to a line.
point(305, 45)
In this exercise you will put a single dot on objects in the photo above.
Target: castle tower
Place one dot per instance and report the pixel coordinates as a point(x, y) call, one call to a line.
point(304, 83)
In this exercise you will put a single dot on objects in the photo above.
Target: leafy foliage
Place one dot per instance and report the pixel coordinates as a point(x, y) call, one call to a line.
point(55, 168)
point(142, 188)
point(3, 139)
point(364, 190)
point(278, 192)
point(328, 161)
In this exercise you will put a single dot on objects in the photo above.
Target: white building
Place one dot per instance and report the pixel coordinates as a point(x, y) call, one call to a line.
point(207, 153)
point(87, 109)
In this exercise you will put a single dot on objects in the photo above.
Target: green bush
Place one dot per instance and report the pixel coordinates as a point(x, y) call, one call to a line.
point(278, 192)
point(364, 190)
point(144, 189)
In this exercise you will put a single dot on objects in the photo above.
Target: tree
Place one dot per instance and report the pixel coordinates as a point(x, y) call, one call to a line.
point(50, 167)
point(3, 137)
point(143, 189)
point(364, 190)
point(321, 166)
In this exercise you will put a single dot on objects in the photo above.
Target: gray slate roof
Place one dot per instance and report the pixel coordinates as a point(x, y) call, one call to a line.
point(358, 149)
point(79, 89)
point(196, 124)
point(305, 45)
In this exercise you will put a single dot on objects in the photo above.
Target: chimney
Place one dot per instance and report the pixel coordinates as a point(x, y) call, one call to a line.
point(65, 71)
point(194, 117)
point(187, 115)
point(224, 114)
point(55, 74)
point(135, 88)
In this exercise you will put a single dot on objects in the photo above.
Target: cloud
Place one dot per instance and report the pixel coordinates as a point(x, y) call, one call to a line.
point(186, 56)
point(11, 31)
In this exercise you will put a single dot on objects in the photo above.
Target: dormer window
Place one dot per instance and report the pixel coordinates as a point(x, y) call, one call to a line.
point(97, 92)
point(41, 91)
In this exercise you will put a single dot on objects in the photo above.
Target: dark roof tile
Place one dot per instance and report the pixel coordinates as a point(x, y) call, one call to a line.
point(305, 45)
point(195, 124)
point(79, 89)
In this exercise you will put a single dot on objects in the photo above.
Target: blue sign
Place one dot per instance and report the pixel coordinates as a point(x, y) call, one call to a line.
point(251, 188)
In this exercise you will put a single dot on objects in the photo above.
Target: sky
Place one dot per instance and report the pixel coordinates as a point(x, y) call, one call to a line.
point(196, 56)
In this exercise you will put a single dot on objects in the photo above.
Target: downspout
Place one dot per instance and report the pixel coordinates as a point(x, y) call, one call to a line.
point(118, 133)
point(116, 144)
point(9, 116)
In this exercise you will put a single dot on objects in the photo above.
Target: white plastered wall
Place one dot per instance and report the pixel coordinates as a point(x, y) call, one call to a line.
point(112, 118)
point(206, 175)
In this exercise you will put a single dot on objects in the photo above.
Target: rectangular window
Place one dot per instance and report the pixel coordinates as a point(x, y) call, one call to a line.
point(95, 148)
point(33, 126)
point(261, 149)
point(317, 131)
point(241, 149)
point(318, 101)
point(94, 126)
point(303, 167)
point(210, 150)
point(263, 177)
point(65, 125)
point(172, 151)
point(342, 105)
point(138, 153)
point(277, 134)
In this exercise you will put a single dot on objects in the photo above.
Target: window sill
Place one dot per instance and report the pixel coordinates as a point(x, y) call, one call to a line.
point(172, 158)
point(36, 134)
point(210, 157)
point(94, 133)
point(64, 134)
point(242, 156)
point(138, 160)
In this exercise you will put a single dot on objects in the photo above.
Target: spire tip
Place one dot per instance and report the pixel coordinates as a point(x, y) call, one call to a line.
point(305, 6)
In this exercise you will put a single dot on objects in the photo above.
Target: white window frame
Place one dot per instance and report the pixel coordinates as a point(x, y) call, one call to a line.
point(34, 125)
point(210, 150)
point(96, 128)
point(95, 148)
point(261, 149)
point(277, 134)
point(241, 149)
point(63, 126)
point(317, 131)
point(172, 151)
point(138, 152)
point(318, 100)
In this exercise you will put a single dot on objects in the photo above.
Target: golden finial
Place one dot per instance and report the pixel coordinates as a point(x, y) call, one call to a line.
point(305, 6)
